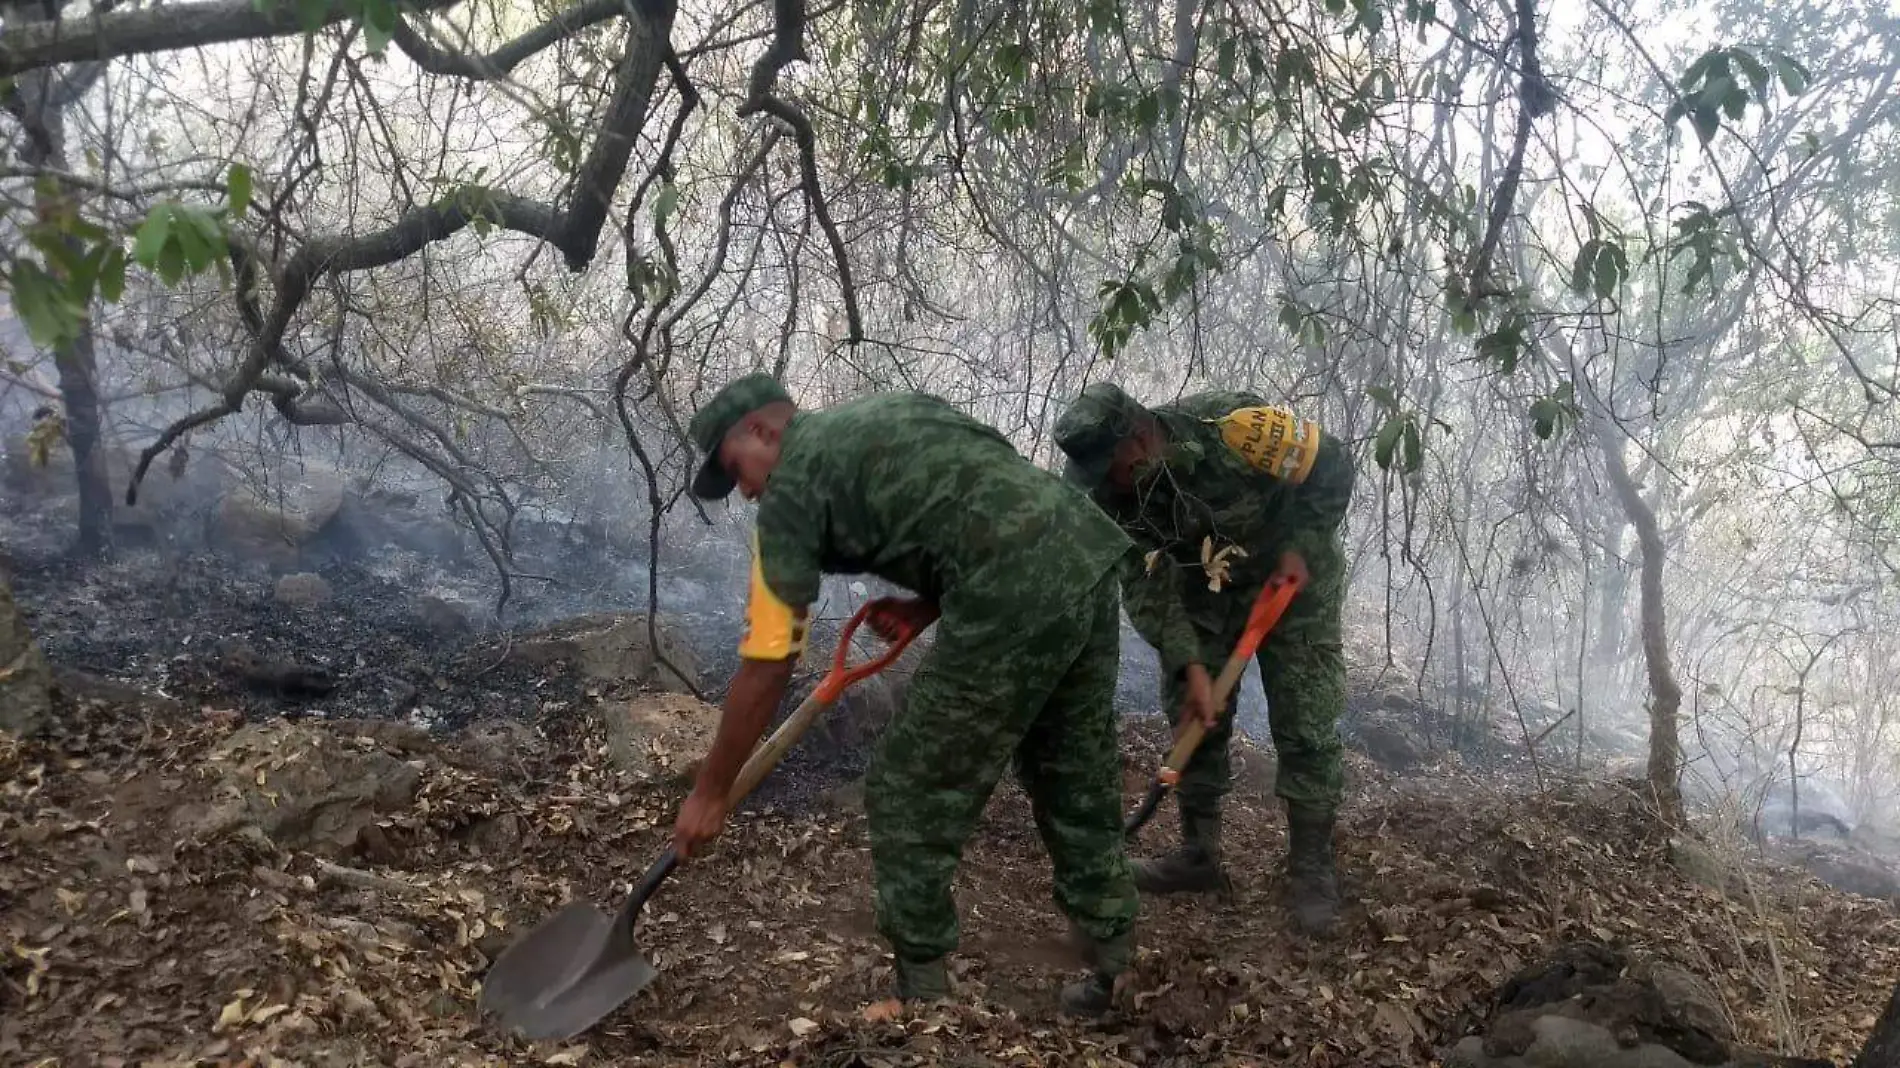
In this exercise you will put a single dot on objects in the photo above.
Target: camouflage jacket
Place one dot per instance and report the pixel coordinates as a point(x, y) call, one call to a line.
point(1237, 472)
point(905, 487)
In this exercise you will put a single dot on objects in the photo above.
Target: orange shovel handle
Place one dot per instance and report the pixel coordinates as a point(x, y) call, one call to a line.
point(1272, 603)
point(828, 690)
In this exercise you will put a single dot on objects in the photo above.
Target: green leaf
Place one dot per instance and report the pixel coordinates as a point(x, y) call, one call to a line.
point(312, 14)
point(1543, 422)
point(1387, 440)
point(1794, 77)
point(665, 204)
point(32, 298)
point(379, 24)
point(1414, 448)
point(1584, 267)
point(237, 187)
point(82, 277)
point(1148, 110)
point(922, 113)
point(1610, 269)
point(1384, 396)
point(1012, 61)
point(1505, 345)
point(112, 275)
point(191, 242)
point(153, 235)
point(1706, 123)
point(1701, 68)
point(171, 263)
point(1753, 70)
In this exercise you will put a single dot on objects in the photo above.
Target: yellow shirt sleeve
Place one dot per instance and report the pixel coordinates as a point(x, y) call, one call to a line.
point(1272, 440)
point(774, 630)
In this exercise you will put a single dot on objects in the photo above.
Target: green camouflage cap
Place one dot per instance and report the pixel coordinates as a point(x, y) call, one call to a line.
point(1090, 429)
point(740, 398)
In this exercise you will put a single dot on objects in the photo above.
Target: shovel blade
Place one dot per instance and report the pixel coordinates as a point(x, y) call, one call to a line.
point(565, 975)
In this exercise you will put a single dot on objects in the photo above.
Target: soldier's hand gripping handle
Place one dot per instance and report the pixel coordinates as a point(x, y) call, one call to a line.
point(1272, 603)
point(893, 617)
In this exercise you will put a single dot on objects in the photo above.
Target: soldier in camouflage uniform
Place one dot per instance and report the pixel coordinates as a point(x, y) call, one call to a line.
point(1212, 471)
point(1023, 670)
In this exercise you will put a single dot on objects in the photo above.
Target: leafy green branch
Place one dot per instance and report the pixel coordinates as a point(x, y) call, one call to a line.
point(1723, 82)
point(1401, 437)
point(80, 260)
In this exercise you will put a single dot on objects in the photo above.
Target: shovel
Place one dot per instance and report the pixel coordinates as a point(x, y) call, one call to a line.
point(580, 964)
point(1267, 610)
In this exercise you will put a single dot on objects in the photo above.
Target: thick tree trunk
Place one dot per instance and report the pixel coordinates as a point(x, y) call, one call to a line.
point(1665, 695)
point(1883, 1046)
point(78, 389)
point(40, 106)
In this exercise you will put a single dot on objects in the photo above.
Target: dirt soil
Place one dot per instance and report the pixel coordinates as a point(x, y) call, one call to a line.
point(123, 940)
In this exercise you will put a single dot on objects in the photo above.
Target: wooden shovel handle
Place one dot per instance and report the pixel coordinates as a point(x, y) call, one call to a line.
point(828, 690)
point(772, 750)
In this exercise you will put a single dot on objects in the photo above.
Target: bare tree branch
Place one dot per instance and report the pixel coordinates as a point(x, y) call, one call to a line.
point(1535, 99)
point(575, 231)
point(564, 24)
point(788, 46)
point(144, 31)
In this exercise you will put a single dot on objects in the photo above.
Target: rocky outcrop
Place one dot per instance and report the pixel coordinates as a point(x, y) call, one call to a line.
point(311, 787)
point(443, 615)
point(274, 524)
point(609, 647)
point(1842, 866)
point(660, 737)
point(1589, 1005)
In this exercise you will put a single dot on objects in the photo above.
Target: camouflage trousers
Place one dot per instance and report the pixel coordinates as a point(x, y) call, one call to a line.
point(993, 691)
point(1303, 671)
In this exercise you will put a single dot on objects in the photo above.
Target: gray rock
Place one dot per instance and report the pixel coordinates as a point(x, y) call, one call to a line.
point(1843, 867)
point(302, 786)
point(1561, 1042)
point(499, 744)
point(1701, 865)
point(611, 648)
point(1589, 1005)
point(302, 590)
point(660, 737)
point(274, 524)
point(1391, 745)
point(442, 615)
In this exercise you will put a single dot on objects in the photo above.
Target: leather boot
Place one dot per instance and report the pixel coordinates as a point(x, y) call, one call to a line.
point(922, 980)
point(1093, 996)
point(1193, 868)
point(1312, 882)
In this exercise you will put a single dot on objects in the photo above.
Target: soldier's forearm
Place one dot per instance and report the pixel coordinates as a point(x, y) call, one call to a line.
point(754, 695)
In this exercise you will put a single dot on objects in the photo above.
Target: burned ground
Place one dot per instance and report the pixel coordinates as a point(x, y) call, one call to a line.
point(136, 932)
point(132, 937)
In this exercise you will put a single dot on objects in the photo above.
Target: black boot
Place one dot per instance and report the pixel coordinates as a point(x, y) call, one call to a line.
point(922, 980)
point(1093, 996)
point(1194, 868)
point(1312, 883)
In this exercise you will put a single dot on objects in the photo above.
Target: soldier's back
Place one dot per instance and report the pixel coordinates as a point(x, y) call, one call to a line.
point(922, 494)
